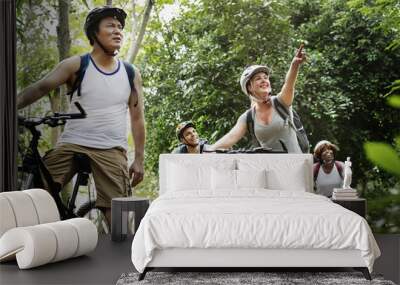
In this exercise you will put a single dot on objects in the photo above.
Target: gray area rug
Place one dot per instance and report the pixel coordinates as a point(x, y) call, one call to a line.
point(233, 278)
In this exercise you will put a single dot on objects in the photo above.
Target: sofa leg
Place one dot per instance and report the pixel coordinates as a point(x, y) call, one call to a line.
point(143, 274)
point(364, 271)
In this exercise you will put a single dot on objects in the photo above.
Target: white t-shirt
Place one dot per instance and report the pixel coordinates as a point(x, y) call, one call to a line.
point(104, 97)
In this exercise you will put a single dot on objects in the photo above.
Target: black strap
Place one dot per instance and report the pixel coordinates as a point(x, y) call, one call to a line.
point(85, 59)
point(250, 128)
point(282, 110)
point(284, 113)
point(79, 75)
point(131, 73)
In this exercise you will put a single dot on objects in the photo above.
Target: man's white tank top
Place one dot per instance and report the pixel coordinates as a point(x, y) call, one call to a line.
point(104, 97)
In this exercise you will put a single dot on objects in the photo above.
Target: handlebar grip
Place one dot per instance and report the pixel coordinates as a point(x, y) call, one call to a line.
point(81, 110)
point(21, 120)
point(81, 115)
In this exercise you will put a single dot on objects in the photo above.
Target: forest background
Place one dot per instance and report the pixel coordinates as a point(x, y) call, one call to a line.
point(191, 55)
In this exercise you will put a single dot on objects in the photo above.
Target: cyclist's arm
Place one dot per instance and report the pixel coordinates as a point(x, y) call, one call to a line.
point(234, 135)
point(136, 110)
point(61, 74)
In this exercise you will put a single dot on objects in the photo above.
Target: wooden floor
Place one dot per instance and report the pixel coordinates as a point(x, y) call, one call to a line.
point(110, 259)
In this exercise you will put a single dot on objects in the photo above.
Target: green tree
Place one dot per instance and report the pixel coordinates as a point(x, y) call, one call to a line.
point(348, 76)
point(192, 65)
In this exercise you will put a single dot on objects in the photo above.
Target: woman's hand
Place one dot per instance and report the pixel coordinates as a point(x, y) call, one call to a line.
point(300, 56)
point(287, 93)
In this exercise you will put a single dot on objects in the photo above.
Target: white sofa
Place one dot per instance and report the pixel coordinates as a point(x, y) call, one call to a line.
point(31, 231)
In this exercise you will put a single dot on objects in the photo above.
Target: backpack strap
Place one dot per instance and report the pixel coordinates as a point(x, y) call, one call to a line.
point(131, 73)
point(79, 75)
point(250, 127)
point(202, 144)
point(85, 59)
point(283, 111)
point(131, 76)
point(339, 167)
point(316, 168)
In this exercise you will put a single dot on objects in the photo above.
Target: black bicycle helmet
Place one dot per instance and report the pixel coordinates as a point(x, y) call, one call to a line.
point(181, 127)
point(96, 15)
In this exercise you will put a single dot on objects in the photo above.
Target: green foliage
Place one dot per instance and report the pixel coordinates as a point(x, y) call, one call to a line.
point(386, 12)
point(348, 79)
point(348, 74)
point(394, 101)
point(36, 54)
point(383, 155)
point(148, 187)
point(383, 193)
point(191, 66)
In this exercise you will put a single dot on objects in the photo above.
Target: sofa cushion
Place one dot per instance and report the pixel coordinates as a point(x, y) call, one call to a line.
point(26, 208)
point(7, 220)
point(281, 174)
point(193, 174)
point(45, 206)
point(223, 179)
point(251, 179)
point(230, 180)
point(188, 177)
point(295, 180)
point(40, 244)
point(30, 230)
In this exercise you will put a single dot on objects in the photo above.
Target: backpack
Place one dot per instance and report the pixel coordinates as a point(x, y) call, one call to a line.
point(182, 148)
point(85, 59)
point(284, 113)
point(317, 166)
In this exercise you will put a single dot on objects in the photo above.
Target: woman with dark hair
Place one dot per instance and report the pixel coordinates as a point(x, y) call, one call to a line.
point(328, 173)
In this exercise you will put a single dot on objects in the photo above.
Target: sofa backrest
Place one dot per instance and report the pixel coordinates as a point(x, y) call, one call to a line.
point(178, 172)
point(26, 208)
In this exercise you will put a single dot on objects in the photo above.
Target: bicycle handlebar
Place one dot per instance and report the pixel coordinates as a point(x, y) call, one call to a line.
point(57, 119)
point(263, 149)
point(246, 150)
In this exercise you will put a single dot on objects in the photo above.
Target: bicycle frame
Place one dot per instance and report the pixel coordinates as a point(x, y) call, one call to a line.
point(33, 164)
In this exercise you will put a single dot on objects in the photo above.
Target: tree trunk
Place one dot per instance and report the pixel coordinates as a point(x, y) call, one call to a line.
point(136, 41)
point(134, 27)
point(59, 102)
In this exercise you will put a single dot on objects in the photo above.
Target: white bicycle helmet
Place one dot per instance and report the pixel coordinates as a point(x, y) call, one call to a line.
point(248, 74)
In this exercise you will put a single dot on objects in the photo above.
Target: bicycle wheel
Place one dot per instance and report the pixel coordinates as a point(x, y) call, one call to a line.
point(90, 211)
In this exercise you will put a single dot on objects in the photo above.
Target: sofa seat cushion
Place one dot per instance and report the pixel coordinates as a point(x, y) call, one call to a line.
point(41, 244)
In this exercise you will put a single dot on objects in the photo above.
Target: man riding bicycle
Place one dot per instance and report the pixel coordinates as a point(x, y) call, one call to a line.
point(106, 93)
point(190, 142)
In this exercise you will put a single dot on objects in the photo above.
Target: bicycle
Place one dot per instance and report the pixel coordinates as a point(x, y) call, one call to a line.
point(33, 172)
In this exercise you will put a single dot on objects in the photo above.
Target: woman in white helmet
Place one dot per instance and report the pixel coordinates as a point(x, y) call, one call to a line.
point(269, 128)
